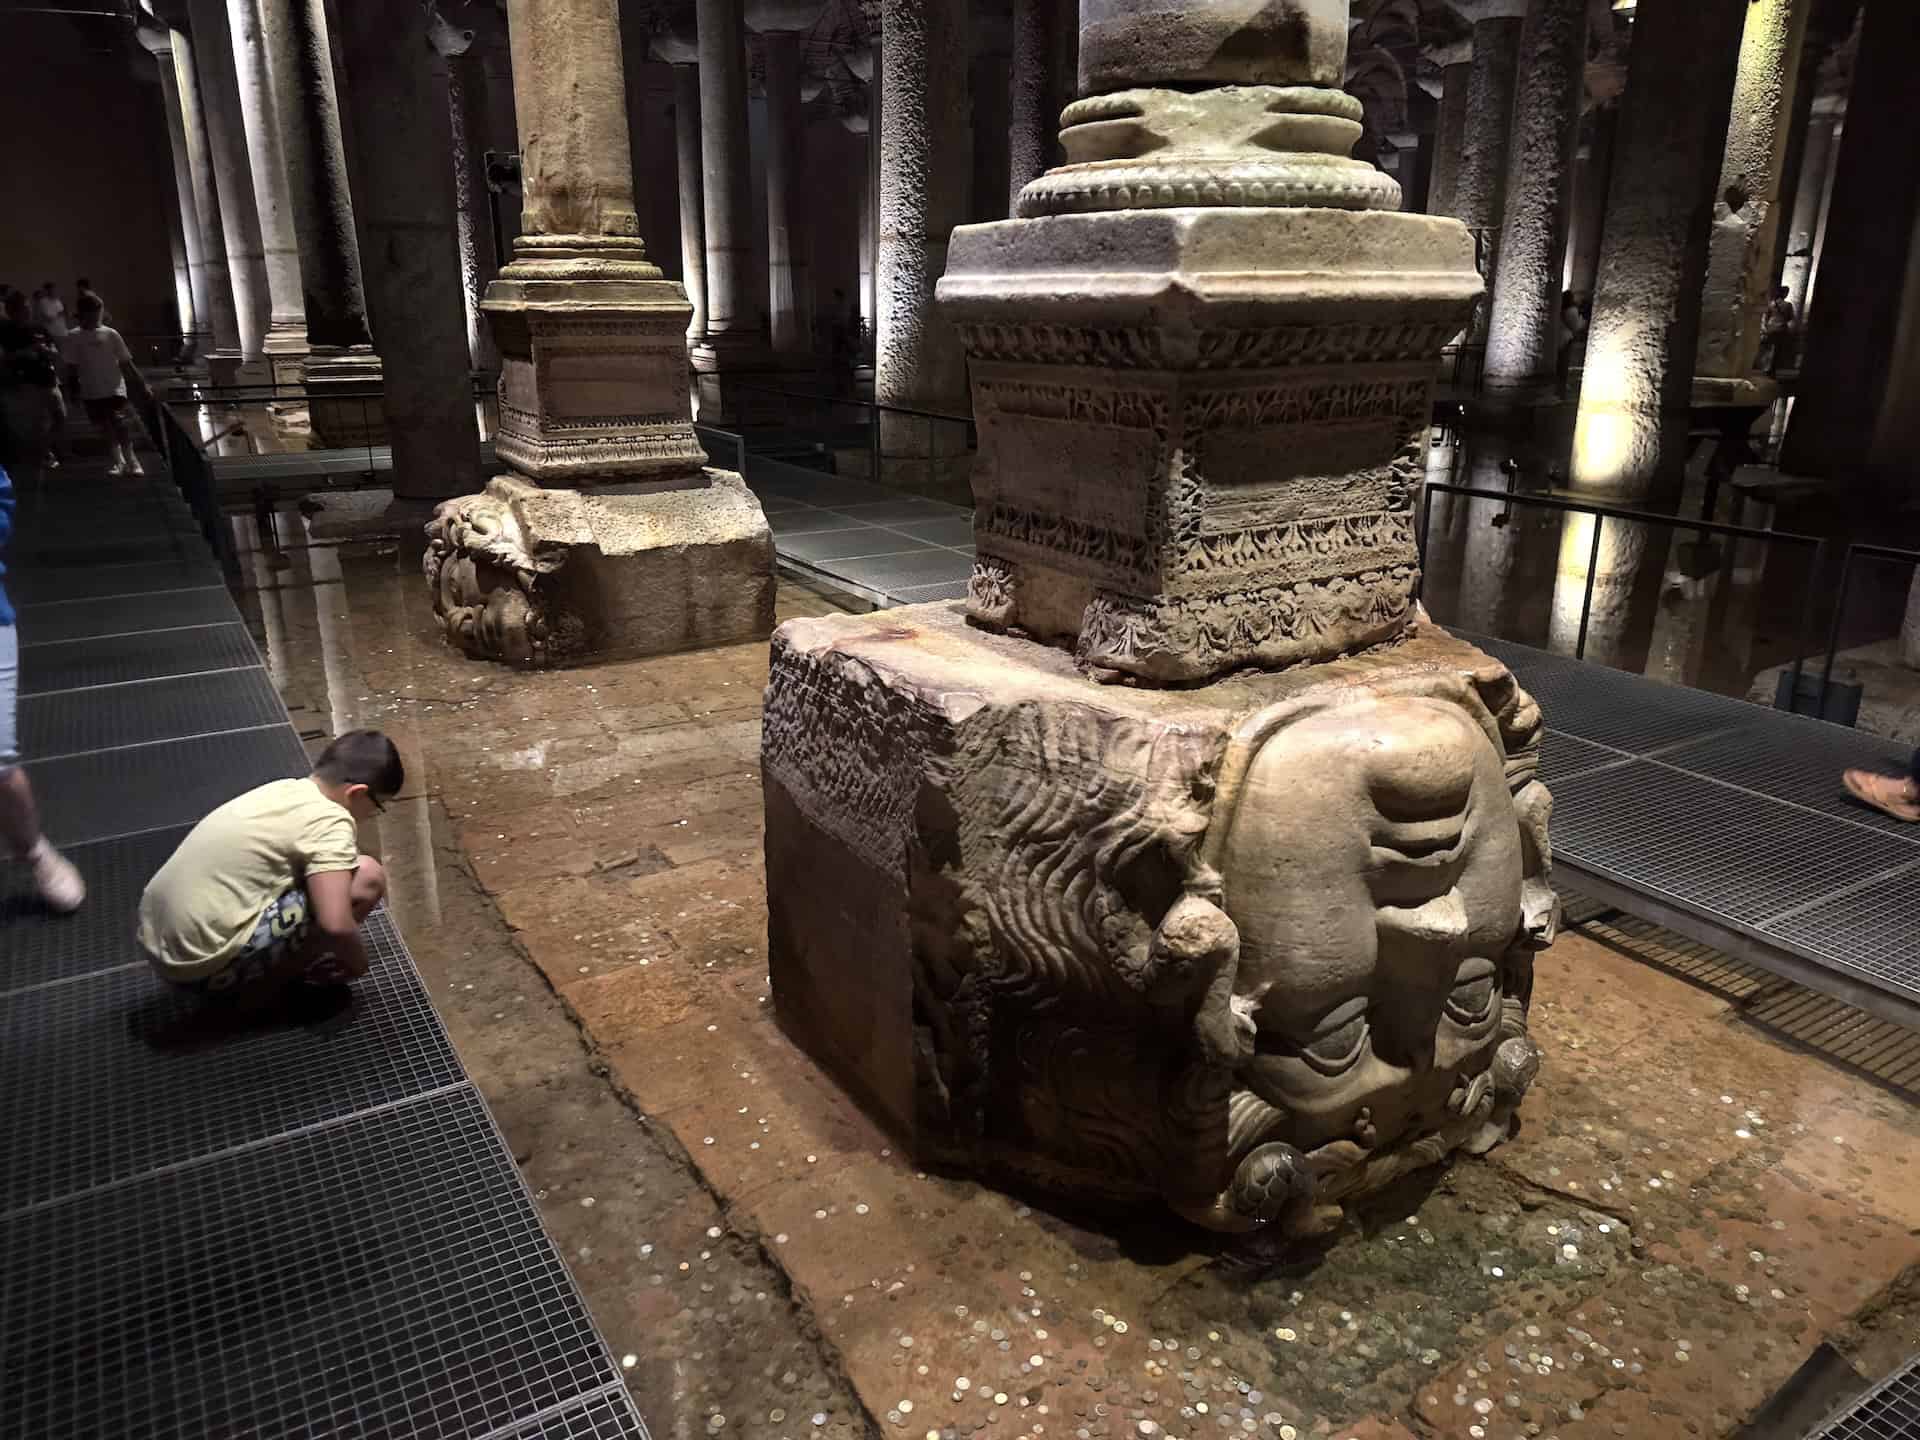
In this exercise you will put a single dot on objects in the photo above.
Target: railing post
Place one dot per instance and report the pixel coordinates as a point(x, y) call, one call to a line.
point(1833, 628)
point(1586, 600)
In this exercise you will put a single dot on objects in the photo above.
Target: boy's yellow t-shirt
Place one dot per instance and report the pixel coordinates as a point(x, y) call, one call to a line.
point(201, 906)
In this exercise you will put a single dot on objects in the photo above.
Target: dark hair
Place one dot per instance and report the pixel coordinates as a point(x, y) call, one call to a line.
point(89, 304)
point(362, 757)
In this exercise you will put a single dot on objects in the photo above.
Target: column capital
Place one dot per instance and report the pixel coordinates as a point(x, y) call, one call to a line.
point(1474, 11)
point(676, 45)
point(154, 40)
point(783, 17)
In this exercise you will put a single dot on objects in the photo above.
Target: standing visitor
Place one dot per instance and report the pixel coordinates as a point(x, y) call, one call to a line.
point(59, 884)
point(1776, 332)
point(101, 362)
point(51, 311)
point(30, 396)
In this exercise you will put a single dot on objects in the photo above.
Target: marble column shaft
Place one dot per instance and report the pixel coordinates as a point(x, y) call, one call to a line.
point(693, 219)
point(1449, 138)
point(287, 325)
point(221, 320)
point(1592, 170)
point(1480, 186)
point(726, 177)
point(467, 109)
point(1854, 417)
point(791, 315)
point(1524, 317)
point(1032, 103)
point(925, 132)
point(1630, 434)
point(232, 174)
point(1746, 217)
point(332, 294)
point(406, 213)
point(199, 318)
point(1810, 204)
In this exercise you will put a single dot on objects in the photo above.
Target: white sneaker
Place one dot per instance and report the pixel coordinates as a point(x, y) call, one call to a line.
point(116, 468)
point(59, 883)
point(133, 465)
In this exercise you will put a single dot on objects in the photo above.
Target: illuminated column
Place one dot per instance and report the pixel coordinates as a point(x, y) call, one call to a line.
point(197, 316)
point(1630, 434)
point(1810, 198)
point(1855, 416)
point(1746, 213)
point(286, 335)
point(1524, 324)
point(1450, 133)
point(1480, 187)
point(782, 26)
point(681, 52)
point(220, 318)
point(232, 176)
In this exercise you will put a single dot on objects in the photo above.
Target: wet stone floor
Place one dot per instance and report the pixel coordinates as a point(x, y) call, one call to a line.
point(1714, 1183)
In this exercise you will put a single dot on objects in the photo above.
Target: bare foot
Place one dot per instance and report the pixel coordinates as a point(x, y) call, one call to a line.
point(1889, 794)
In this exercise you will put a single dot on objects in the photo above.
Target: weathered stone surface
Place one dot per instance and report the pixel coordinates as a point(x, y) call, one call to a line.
point(1246, 950)
point(1124, 43)
point(1202, 453)
point(537, 576)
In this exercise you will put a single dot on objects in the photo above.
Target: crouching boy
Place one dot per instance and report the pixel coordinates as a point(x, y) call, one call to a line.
point(269, 890)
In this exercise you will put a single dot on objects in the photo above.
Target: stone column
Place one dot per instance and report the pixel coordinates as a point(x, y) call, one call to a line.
point(1810, 201)
point(1746, 214)
point(1592, 169)
point(223, 326)
point(925, 137)
point(195, 321)
point(1450, 133)
point(1855, 418)
point(693, 218)
point(286, 337)
point(1080, 933)
point(1630, 435)
point(469, 108)
point(733, 339)
point(233, 181)
point(645, 550)
point(1524, 318)
point(341, 370)
point(1480, 187)
point(407, 218)
point(782, 27)
point(1033, 105)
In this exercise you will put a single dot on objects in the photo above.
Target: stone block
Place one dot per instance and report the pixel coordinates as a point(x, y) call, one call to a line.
point(540, 577)
point(1245, 949)
point(1201, 429)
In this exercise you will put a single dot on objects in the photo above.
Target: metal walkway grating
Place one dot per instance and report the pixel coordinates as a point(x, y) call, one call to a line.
point(308, 1225)
point(1889, 1411)
point(1727, 822)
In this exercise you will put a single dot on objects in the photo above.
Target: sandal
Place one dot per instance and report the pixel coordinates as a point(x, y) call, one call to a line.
point(1886, 793)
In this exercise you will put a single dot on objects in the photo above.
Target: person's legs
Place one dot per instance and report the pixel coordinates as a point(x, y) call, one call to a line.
point(54, 876)
point(121, 423)
point(285, 951)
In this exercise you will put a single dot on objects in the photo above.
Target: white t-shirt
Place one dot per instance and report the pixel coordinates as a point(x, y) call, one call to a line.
point(97, 354)
point(51, 311)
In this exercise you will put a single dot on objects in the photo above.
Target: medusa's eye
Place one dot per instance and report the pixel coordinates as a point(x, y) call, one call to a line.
point(1475, 994)
point(1337, 1041)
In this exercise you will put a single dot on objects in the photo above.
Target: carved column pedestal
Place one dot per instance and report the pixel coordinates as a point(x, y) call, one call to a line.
point(1251, 933)
point(1246, 950)
point(647, 550)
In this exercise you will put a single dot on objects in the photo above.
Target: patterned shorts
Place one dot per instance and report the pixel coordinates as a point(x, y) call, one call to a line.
point(272, 951)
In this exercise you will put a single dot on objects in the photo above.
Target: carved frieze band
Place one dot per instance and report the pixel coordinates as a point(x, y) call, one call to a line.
point(1142, 348)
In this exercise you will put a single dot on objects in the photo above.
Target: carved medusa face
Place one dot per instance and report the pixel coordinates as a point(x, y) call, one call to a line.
point(1373, 869)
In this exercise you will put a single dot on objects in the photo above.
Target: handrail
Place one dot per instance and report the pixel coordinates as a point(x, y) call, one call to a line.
point(1603, 513)
point(1878, 552)
point(1617, 512)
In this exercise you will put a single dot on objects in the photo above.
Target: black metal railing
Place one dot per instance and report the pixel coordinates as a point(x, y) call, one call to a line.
point(1805, 604)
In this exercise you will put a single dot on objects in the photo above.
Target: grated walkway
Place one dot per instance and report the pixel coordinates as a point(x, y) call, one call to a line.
point(1727, 822)
point(300, 1228)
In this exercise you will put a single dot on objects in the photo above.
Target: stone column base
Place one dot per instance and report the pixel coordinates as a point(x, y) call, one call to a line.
point(344, 398)
point(541, 577)
point(722, 364)
point(1245, 950)
point(286, 348)
point(224, 366)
